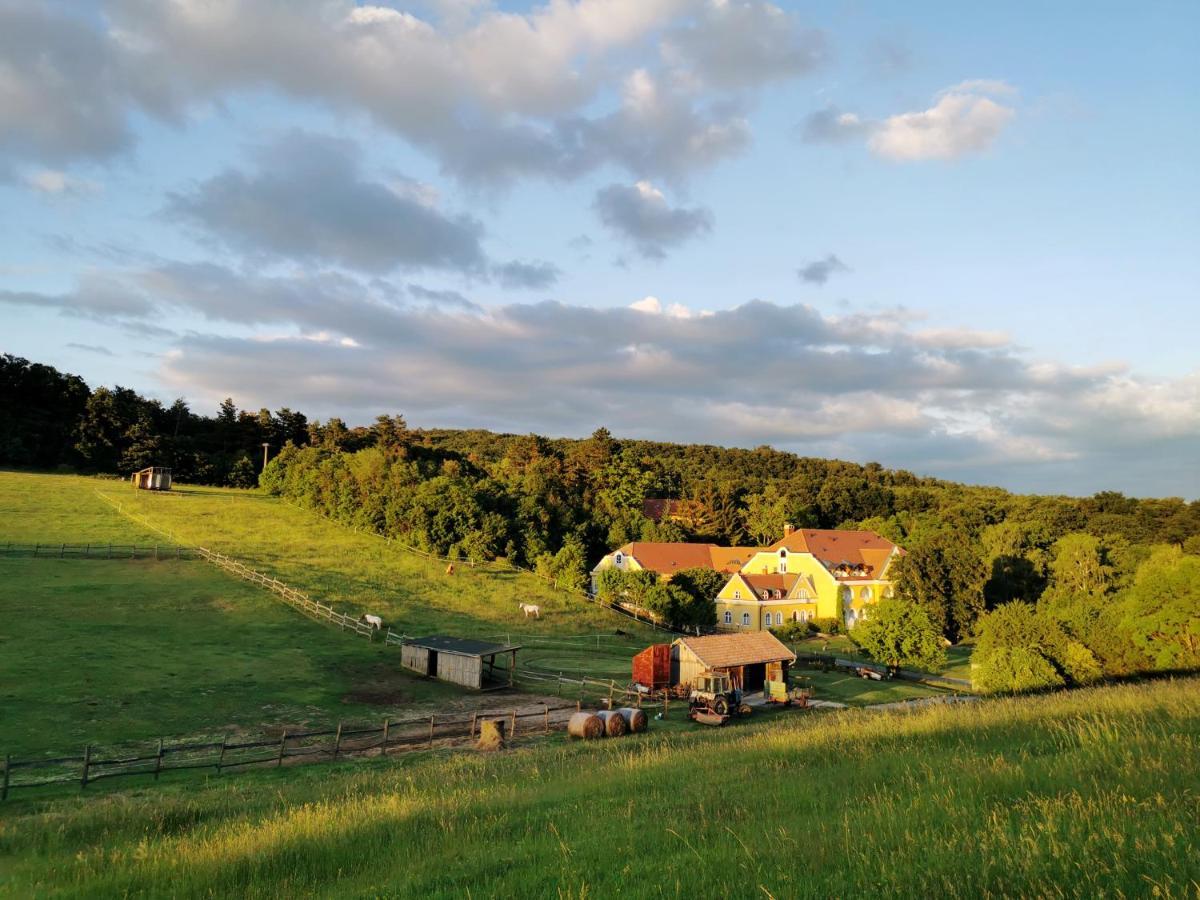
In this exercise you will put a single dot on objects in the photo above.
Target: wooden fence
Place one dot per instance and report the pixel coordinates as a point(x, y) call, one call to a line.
point(97, 551)
point(153, 759)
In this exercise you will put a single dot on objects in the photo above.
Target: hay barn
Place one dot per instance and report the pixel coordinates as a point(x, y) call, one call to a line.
point(750, 658)
point(461, 660)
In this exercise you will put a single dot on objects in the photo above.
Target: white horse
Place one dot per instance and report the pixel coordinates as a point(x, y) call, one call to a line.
point(374, 621)
point(530, 610)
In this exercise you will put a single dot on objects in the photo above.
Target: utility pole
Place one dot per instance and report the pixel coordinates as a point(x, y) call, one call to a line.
point(265, 447)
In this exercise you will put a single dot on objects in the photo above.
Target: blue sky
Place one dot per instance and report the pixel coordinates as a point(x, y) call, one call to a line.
point(554, 218)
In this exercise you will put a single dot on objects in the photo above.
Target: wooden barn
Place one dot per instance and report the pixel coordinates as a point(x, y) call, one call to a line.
point(154, 478)
point(751, 658)
point(461, 660)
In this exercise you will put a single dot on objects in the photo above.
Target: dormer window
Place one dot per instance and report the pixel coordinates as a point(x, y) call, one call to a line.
point(618, 558)
point(783, 560)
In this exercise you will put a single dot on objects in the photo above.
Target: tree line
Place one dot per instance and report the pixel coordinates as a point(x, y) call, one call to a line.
point(559, 504)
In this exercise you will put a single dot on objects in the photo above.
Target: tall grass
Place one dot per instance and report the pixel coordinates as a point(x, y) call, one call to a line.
point(1091, 793)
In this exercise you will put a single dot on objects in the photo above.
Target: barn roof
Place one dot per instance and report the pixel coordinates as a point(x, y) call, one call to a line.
point(720, 651)
point(460, 646)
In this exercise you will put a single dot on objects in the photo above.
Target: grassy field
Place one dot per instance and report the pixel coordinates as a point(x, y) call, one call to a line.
point(106, 651)
point(1080, 794)
point(103, 651)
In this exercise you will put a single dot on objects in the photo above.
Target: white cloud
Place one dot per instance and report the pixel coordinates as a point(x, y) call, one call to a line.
point(641, 215)
point(964, 120)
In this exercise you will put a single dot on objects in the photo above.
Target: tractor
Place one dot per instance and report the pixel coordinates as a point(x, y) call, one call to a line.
point(713, 697)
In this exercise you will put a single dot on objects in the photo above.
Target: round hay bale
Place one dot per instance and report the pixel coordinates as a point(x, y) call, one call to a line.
point(585, 725)
point(491, 734)
point(614, 722)
point(635, 719)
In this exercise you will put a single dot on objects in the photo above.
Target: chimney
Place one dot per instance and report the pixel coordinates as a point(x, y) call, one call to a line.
point(788, 529)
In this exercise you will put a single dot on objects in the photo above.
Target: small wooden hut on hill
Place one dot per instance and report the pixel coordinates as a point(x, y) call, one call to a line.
point(461, 660)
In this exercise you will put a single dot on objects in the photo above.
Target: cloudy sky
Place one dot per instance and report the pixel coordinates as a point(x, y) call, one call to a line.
point(958, 238)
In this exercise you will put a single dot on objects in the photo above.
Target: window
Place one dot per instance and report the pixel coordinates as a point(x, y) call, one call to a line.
point(795, 615)
point(864, 594)
point(728, 618)
point(618, 558)
point(745, 618)
point(782, 560)
point(778, 618)
point(737, 595)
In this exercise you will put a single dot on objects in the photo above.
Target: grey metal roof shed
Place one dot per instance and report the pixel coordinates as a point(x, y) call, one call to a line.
point(464, 661)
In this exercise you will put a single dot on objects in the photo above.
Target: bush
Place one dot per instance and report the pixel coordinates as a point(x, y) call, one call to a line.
point(901, 633)
point(792, 631)
point(826, 625)
point(1011, 670)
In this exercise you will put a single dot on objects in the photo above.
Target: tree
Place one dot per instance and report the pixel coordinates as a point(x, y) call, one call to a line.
point(900, 633)
point(945, 575)
point(1022, 649)
point(1162, 609)
point(243, 473)
point(699, 582)
point(765, 518)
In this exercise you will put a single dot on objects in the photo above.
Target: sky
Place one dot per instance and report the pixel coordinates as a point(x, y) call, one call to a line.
point(957, 238)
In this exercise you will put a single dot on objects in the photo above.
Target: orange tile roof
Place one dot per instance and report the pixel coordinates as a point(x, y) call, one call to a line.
point(776, 582)
point(722, 651)
point(669, 558)
point(831, 547)
point(731, 559)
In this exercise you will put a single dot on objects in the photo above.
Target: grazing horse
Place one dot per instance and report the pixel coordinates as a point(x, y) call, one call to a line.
point(374, 621)
point(530, 610)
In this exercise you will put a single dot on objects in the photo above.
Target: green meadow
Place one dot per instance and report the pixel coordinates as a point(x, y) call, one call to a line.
point(105, 651)
point(1079, 794)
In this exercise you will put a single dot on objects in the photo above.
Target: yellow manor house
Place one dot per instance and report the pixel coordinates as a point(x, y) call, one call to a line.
point(807, 574)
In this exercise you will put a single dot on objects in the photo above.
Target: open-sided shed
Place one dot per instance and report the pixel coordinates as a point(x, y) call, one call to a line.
point(751, 658)
point(463, 661)
point(154, 478)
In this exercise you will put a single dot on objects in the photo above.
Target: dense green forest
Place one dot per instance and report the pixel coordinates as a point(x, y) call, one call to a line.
point(1073, 565)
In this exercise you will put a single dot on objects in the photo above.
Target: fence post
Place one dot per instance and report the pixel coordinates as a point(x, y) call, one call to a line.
point(87, 762)
point(546, 714)
point(474, 716)
point(386, 726)
point(62, 548)
point(513, 731)
point(35, 550)
point(158, 760)
point(282, 741)
point(108, 555)
point(431, 731)
point(560, 684)
point(221, 758)
point(4, 785)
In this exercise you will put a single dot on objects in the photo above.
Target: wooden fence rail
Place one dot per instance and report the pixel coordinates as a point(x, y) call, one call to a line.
point(391, 736)
point(60, 550)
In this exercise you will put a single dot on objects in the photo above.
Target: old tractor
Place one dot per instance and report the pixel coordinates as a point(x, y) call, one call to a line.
point(713, 699)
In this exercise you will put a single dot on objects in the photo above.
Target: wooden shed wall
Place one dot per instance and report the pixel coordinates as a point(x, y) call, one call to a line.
point(689, 664)
point(415, 658)
point(464, 670)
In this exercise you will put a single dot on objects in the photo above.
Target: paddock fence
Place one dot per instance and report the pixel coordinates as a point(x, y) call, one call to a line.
point(58, 550)
point(232, 754)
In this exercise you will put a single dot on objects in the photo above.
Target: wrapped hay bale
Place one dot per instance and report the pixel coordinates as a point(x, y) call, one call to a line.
point(585, 725)
point(614, 722)
point(491, 734)
point(635, 719)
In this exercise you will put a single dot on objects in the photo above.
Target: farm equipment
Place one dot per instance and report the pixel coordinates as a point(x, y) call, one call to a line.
point(714, 699)
point(779, 692)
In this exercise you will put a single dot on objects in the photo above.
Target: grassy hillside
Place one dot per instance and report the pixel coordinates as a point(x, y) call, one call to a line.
point(1080, 794)
point(63, 509)
point(105, 651)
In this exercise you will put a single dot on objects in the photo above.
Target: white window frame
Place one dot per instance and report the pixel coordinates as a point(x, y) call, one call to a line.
point(737, 595)
point(745, 620)
point(728, 617)
point(783, 560)
point(778, 618)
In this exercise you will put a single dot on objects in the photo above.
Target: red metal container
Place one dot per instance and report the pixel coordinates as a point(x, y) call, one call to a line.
point(652, 667)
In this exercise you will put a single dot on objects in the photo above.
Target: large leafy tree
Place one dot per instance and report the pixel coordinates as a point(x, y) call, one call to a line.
point(1162, 609)
point(1022, 649)
point(900, 633)
point(944, 574)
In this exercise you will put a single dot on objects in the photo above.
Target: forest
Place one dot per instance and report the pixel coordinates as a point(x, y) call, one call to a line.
point(1061, 570)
